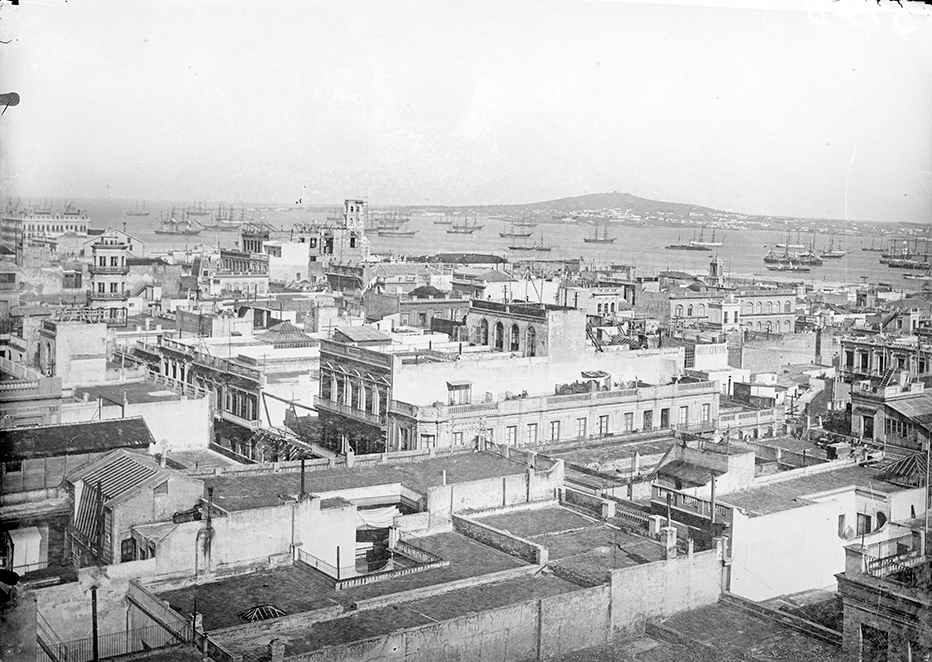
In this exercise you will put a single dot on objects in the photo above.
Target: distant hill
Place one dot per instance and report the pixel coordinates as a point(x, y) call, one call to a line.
point(579, 203)
point(614, 200)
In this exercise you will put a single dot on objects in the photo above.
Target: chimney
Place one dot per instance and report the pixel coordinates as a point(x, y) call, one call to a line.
point(163, 460)
point(277, 650)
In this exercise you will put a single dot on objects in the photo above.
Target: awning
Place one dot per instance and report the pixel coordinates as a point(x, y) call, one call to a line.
point(376, 518)
point(458, 383)
point(25, 546)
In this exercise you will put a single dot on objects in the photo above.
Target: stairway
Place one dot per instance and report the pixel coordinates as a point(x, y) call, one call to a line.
point(887, 378)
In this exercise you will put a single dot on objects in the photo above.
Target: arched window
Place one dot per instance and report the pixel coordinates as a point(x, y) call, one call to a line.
point(701, 310)
point(748, 308)
point(678, 312)
point(760, 308)
point(786, 307)
point(530, 342)
point(499, 336)
point(484, 332)
point(760, 327)
point(613, 307)
point(769, 326)
point(689, 311)
point(515, 338)
point(786, 326)
point(769, 307)
point(599, 309)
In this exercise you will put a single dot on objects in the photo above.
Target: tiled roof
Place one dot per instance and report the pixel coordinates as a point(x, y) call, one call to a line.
point(75, 438)
point(285, 332)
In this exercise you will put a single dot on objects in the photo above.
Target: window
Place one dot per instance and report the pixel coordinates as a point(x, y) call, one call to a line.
point(515, 338)
point(531, 341)
point(864, 524)
point(769, 307)
point(603, 425)
point(114, 262)
point(511, 435)
point(684, 416)
point(786, 307)
point(499, 336)
point(484, 332)
point(161, 489)
point(706, 412)
point(613, 308)
point(531, 436)
point(689, 311)
point(648, 420)
point(678, 312)
point(427, 441)
point(726, 317)
point(580, 427)
point(554, 430)
point(701, 310)
point(457, 438)
point(127, 550)
point(598, 309)
point(113, 287)
point(629, 421)
point(404, 319)
point(841, 526)
point(422, 319)
point(13, 466)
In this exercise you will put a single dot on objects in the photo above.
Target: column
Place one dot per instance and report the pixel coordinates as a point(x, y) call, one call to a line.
point(376, 401)
point(334, 388)
point(361, 394)
point(347, 398)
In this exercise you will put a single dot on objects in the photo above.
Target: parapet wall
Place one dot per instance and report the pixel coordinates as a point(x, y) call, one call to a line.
point(501, 540)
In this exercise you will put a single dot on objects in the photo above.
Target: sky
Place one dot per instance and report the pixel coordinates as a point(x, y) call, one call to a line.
point(806, 108)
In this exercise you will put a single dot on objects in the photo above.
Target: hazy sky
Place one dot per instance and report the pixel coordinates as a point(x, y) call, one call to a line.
point(763, 111)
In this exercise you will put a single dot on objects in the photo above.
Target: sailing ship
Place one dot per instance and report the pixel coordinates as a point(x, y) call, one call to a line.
point(138, 210)
point(199, 209)
point(798, 246)
point(706, 244)
point(443, 220)
point(394, 226)
point(594, 237)
point(465, 228)
point(539, 246)
point(224, 220)
point(171, 225)
point(872, 249)
point(831, 252)
point(808, 258)
point(691, 246)
point(514, 233)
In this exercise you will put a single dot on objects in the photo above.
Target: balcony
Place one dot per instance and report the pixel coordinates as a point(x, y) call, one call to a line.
point(239, 420)
point(108, 271)
point(108, 296)
point(349, 412)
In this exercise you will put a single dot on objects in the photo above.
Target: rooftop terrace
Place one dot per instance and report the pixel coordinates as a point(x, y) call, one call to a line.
point(578, 542)
point(133, 392)
point(243, 492)
point(296, 589)
point(792, 493)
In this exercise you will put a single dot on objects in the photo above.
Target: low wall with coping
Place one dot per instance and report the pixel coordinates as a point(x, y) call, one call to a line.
point(501, 540)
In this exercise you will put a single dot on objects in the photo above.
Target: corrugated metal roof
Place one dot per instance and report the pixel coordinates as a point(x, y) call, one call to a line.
point(362, 333)
point(117, 473)
point(916, 408)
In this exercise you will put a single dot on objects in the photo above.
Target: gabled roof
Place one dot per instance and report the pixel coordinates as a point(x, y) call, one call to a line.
point(917, 409)
point(494, 276)
point(75, 438)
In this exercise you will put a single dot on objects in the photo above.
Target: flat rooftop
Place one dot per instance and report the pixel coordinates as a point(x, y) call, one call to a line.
point(199, 458)
point(717, 632)
point(134, 393)
point(596, 457)
point(296, 588)
point(245, 492)
point(579, 542)
point(792, 493)
point(301, 638)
